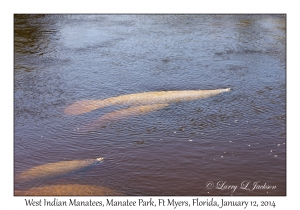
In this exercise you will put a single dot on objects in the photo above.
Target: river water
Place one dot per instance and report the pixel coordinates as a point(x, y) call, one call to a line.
point(200, 147)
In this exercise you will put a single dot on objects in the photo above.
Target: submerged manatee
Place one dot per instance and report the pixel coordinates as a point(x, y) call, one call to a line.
point(121, 114)
point(55, 169)
point(67, 190)
point(138, 99)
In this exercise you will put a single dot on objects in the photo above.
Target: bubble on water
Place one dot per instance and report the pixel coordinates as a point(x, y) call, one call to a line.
point(275, 155)
point(190, 140)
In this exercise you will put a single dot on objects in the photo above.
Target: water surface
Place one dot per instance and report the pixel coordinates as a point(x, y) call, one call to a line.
point(232, 137)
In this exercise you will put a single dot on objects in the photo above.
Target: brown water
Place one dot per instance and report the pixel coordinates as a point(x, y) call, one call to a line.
point(230, 139)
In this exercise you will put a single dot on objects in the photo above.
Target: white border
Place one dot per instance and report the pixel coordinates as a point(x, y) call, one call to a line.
point(8, 8)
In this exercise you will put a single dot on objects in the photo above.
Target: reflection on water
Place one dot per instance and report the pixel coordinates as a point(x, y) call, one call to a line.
point(237, 136)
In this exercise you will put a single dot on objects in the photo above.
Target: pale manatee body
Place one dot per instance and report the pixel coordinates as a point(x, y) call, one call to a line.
point(121, 114)
point(55, 169)
point(68, 190)
point(138, 99)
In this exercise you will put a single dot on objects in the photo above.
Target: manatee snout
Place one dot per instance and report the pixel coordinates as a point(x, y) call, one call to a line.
point(100, 159)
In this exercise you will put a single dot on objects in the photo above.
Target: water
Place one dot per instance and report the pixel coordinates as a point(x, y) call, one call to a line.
point(229, 138)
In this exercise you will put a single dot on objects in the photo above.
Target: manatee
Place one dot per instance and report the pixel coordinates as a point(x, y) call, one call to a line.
point(138, 99)
point(55, 169)
point(67, 190)
point(121, 114)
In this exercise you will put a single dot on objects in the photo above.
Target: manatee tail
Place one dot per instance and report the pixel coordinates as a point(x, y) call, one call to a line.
point(84, 106)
